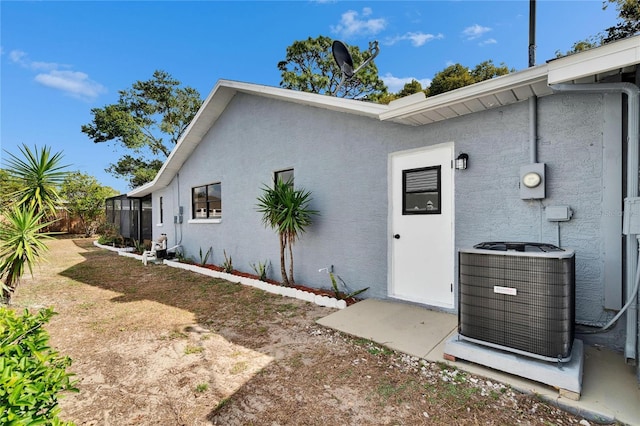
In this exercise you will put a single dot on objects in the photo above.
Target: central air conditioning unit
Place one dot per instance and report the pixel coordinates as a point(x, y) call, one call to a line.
point(518, 297)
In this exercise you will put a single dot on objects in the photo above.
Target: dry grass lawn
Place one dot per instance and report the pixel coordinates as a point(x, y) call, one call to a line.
point(157, 345)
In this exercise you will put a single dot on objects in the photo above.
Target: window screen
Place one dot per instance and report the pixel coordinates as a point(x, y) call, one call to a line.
point(421, 191)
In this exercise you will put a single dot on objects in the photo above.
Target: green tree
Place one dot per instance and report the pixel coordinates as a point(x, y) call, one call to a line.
point(286, 210)
point(21, 244)
point(84, 198)
point(451, 78)
point(39, 174)
point(309, 67)
point(487, 70)
point(582, 45)
point(148, 120)
point(457, 76)
point(629, 15)
point(410, 88)
point(627, 26)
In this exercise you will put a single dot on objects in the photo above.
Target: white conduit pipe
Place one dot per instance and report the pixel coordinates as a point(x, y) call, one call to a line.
point(633, 95)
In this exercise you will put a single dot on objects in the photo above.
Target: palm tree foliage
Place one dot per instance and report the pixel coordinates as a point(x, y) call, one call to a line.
point(40, 173)
point(36, 179)
point(286, 210)
point(21, 244)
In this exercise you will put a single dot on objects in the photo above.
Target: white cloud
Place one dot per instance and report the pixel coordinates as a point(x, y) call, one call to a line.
point(18, 57)
point(351, 24)
point(488, 41)
point(74, 83)
point(21, 58)
point(396, 84)
point(475, 31)
point(417, 39)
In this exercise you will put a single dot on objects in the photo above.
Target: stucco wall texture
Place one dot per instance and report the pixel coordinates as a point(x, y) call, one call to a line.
point(343, 160)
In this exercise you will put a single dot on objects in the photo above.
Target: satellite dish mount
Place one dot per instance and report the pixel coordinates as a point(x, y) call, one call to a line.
point(344, 61)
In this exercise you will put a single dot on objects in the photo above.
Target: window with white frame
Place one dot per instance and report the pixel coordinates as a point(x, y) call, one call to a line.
point(284, 176)
point(206, 201)
point(161, 211)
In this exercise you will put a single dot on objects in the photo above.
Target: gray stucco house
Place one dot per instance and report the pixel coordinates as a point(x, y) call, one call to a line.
point(395, 210)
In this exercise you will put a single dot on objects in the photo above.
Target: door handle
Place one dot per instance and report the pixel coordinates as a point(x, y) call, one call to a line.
point(396, 236)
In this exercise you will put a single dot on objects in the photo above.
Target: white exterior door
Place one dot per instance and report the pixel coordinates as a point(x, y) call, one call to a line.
point(421, 222)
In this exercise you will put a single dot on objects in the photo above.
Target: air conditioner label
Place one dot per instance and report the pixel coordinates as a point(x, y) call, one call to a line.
point(505, 290)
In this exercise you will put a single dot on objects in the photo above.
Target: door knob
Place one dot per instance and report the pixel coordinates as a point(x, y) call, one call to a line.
point(396, 236)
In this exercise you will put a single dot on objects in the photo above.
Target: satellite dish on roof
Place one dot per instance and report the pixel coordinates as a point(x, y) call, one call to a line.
point(343, 58)
point(344, 61)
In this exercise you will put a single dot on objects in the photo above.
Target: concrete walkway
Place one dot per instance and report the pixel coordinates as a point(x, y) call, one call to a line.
point(609, 387)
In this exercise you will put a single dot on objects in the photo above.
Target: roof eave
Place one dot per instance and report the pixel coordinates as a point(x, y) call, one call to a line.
point(526, 77)
point(612, 56)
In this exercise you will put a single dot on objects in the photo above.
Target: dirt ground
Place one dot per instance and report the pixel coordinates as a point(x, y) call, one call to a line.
point(157, 345)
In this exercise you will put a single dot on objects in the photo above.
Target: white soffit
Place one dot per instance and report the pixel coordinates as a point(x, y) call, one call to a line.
point(601, 60)
point(494, 93)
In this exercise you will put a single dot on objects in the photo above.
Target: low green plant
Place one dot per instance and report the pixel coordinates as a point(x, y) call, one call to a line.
point(227, 265)
point(32, 374)
point(193, 350)
point(109, 234)
point(138, 246)
point(180, 255)
point(222, 403)
point(261, 269)
point(340, 294)
point(204, 258)
point(202, 387)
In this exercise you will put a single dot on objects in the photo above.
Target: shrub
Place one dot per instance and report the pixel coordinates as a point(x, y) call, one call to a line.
point(32, 374)
point(108, 234)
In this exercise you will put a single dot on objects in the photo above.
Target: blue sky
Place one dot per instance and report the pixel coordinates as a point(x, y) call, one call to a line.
point(60, 59)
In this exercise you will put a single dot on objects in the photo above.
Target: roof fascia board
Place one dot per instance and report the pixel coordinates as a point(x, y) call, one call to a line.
point(312, 99)
point(605, 58)
point(484, 88)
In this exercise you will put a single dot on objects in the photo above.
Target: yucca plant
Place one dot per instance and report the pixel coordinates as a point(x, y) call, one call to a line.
point(40, 173)
point(21, 244)
point(287, 211)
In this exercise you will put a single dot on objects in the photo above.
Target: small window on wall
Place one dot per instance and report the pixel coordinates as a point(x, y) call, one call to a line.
point(284, 176)
point(161, 211)
point(206, 201)
point(421, 191)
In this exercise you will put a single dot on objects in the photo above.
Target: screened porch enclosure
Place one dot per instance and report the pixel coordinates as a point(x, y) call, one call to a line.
point(130, 216)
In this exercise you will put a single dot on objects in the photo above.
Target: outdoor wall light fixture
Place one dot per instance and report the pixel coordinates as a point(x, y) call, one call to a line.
point(462, 161)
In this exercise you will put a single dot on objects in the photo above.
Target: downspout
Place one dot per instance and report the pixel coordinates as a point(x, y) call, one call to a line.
point(633, 112)
point(533, 129)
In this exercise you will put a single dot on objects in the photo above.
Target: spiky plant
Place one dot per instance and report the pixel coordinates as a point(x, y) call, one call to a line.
point(287, 211)
point(40, 173)
point(21, 244)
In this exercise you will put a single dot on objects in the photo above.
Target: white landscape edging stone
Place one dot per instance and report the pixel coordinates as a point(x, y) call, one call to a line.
point(326, 301)
point(329, 302)
point(111, 248)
